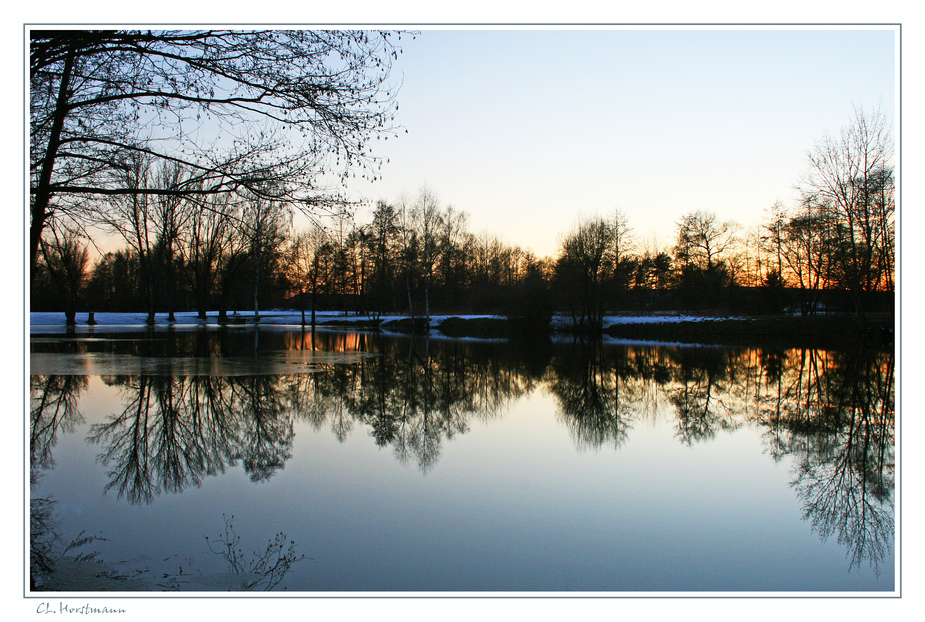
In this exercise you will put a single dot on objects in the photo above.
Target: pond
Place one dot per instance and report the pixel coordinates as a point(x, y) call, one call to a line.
point(251, 459)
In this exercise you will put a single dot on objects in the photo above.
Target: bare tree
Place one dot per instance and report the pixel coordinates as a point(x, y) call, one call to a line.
point(426, 219)
point(208, 236)
point(805, 252)
point(453, 242)
point(170, 214)
point(384, 250)
point(703, 240)
point(849, 185)
point(358, 259)
point(340, 278)
point(585, 262)
point(231, 267)
point(65, 259)
point(265, 225)
point(409, 248)
point(130, 215)
point(881, 188)
point(623, 246)
point(773, 238)
point(309, 264)
point(153, 226)
point(259, 110)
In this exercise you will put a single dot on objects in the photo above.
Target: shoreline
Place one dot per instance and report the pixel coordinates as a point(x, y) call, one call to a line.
point(830, 331)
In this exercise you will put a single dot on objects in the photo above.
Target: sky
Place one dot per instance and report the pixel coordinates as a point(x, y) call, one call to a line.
point(528, 130)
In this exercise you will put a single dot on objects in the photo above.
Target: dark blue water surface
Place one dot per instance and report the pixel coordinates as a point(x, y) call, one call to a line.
point(419, 465)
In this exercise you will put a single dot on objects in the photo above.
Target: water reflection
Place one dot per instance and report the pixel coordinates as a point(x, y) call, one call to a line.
point(838, 419)
point(595, 402)
point(52, 410)
point(174, 431)
point(831, 412)
point(60, 565)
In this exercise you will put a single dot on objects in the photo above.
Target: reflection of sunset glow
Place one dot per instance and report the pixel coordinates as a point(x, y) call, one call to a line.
point(327, 342)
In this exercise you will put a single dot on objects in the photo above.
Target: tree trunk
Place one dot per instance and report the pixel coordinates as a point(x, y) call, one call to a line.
point(256, 291)
point(42, 193)
point(426, 303)
point(314, 292)
point(410, 304)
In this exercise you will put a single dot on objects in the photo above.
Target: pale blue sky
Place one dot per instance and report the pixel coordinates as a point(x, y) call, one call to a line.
point(528, 129)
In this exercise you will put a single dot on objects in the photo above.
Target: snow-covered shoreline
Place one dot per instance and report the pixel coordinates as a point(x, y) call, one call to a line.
point(46, 321)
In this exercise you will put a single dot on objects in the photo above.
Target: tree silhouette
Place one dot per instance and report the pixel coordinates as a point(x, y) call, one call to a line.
point(849, 187)
point(52, 410)
point(266, 111)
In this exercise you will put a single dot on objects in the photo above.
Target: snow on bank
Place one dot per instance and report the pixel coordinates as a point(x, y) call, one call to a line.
point(41, 321)
point(563, 322)
point(663, 319)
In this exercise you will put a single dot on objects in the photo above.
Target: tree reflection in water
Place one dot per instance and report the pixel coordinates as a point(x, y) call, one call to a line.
point(52, 410)
point(413, 396)
point(832, 412)
point(701, 396)
point(595, 405)
point(174, 431)
point(840, 424)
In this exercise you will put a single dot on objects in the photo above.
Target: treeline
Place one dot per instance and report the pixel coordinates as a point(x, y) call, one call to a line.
point(240, 253)
point(834, 251)
point(227, 252)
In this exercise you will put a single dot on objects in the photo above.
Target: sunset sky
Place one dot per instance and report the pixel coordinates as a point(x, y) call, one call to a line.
point(526, 129)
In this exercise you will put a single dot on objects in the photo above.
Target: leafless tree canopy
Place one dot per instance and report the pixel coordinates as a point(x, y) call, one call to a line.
point(272, 112)
point(848, 188)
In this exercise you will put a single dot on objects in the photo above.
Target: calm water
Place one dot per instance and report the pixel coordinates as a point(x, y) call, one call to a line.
point(416, 465)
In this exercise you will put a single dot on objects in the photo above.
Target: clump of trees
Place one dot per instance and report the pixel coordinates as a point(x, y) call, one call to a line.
point(848, 208)
point(593, 268)
point(836, 247)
